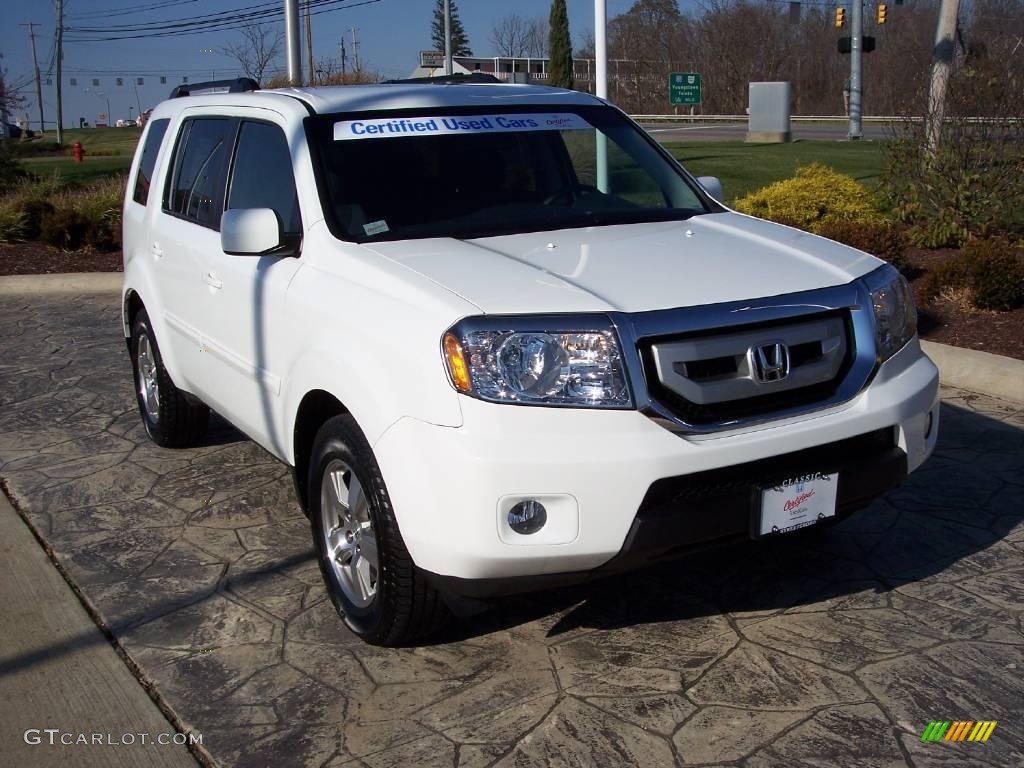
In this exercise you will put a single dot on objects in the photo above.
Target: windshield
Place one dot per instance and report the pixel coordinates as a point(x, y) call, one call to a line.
point(470, 173)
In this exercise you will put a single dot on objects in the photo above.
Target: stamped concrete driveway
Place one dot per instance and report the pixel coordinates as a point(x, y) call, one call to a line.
point(784, 654)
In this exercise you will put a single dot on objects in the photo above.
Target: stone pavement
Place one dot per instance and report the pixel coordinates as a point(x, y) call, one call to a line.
point(813, 651)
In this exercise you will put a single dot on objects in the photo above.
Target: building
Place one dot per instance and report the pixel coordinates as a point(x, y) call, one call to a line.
point(516, 69)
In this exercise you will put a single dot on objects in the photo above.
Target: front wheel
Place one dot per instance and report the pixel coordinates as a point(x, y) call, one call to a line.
point(376, 588)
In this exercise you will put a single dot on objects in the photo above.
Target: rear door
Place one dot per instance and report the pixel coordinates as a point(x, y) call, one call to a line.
point(188, 227)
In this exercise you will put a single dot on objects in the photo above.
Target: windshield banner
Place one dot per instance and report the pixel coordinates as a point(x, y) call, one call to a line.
point(384, 128)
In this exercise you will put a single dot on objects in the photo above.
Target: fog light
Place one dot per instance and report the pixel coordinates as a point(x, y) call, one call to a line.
point(527, 517)
point(928, 425)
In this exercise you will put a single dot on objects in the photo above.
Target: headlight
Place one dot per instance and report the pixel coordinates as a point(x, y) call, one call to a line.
point(894, 311)
point(525, 360)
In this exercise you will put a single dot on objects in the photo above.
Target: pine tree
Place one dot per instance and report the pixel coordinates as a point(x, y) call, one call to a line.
point(559, 46)
point(460, 42)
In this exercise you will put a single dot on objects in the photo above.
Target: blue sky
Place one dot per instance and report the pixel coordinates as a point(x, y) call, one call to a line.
point(391, 34)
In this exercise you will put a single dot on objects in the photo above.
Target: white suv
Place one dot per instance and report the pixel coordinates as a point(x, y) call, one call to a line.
point(503, 338)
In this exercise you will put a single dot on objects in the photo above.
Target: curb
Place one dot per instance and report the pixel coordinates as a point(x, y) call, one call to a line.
point(977, 371)
point(70, 282)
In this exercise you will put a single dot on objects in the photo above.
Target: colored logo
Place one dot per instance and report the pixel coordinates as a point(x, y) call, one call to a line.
point(958, 730)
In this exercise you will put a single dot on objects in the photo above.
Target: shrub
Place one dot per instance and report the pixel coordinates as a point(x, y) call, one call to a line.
point(882, 239)
point(64, 228)
point(32, 197)
point(996, 274)
point(817, 196)
point(34, 210)
point(100, 207)
point(12, 224)
point(969, 182)
point(991, 272)
point(36, 148)
point(68, 217)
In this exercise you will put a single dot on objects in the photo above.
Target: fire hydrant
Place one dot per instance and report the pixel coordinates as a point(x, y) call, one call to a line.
point(77, 152)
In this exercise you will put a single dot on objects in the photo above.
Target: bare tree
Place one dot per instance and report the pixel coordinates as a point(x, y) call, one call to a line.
point(257, 49)
point(10, 99)
point(537, 38)
point(518, 36)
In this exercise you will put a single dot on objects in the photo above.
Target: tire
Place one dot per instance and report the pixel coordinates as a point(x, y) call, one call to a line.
point(376, 588)
point(171, 419)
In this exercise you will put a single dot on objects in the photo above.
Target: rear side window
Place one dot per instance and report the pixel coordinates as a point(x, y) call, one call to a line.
point(197, 188)
point(154, 138)
point(262, 176)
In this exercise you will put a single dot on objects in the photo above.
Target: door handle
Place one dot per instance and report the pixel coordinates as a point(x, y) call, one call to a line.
point(156, 250)
point(213, 281)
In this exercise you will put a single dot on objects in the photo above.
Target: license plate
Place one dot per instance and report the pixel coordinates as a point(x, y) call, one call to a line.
point(797, 503)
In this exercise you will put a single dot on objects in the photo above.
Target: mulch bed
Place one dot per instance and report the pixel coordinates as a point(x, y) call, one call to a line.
point(40, 259)
point(1001, 333)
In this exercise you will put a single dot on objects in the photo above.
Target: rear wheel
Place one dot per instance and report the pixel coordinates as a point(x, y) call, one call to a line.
point(376, 588)
point(171, 419)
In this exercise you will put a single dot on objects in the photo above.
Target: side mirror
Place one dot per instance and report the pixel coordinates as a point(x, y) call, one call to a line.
point(250, 231)
point(711, 185)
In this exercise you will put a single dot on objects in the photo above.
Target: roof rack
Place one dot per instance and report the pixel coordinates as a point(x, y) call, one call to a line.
point(458, 78)
point(238, 85)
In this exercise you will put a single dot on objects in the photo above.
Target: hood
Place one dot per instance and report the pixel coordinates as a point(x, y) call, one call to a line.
point(707, 259)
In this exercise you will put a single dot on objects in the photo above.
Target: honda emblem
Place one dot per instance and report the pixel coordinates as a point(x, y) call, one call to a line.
point(770, 362)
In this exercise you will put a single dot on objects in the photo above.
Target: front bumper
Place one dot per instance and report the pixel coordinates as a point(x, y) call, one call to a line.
point(606, 474)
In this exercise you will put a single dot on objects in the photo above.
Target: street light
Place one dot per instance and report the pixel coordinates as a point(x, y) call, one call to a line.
point(102, 95)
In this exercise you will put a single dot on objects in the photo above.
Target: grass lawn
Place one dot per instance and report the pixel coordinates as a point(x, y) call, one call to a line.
point(121, 141)
point(745, 167)
point(742, 167)
point(90, 169)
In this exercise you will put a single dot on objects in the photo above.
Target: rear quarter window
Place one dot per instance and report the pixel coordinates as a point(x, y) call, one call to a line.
point(147, 164)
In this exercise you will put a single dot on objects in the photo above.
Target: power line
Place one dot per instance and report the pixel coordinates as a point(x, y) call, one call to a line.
point(129, 10)
point(233, 16)
point(95, 35)
point(232, 13)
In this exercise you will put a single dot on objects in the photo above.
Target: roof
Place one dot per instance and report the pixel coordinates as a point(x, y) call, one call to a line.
point(358, 98)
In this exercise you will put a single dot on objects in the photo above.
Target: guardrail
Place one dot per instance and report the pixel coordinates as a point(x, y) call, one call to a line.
point(819, 119)
point(744, 118)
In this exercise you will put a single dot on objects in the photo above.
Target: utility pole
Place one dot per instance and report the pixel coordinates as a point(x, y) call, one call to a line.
point(35, 66)
point(601, 86)
point(856, 61)
point(309, 44)
point(942, 66)
point(343, 57)
point(355, 51)
point(60, 62)
point(448, 69)
point(293, 43)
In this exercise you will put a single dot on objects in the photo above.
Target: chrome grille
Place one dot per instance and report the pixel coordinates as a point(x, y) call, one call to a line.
point(751, 363)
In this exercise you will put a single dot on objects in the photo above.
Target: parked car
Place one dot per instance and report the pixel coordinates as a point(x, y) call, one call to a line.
point(503, 339)
point(15, 131)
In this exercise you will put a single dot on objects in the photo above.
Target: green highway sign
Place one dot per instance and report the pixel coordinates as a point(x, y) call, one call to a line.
point(684, 88)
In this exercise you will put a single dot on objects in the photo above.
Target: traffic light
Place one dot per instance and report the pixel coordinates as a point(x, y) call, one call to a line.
point(880, 18)
point(840, 18)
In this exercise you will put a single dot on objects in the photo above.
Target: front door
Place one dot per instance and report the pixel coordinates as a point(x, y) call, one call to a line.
point(244, 327)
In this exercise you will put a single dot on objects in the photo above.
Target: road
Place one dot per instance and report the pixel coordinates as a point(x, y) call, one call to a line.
point(735, 131)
